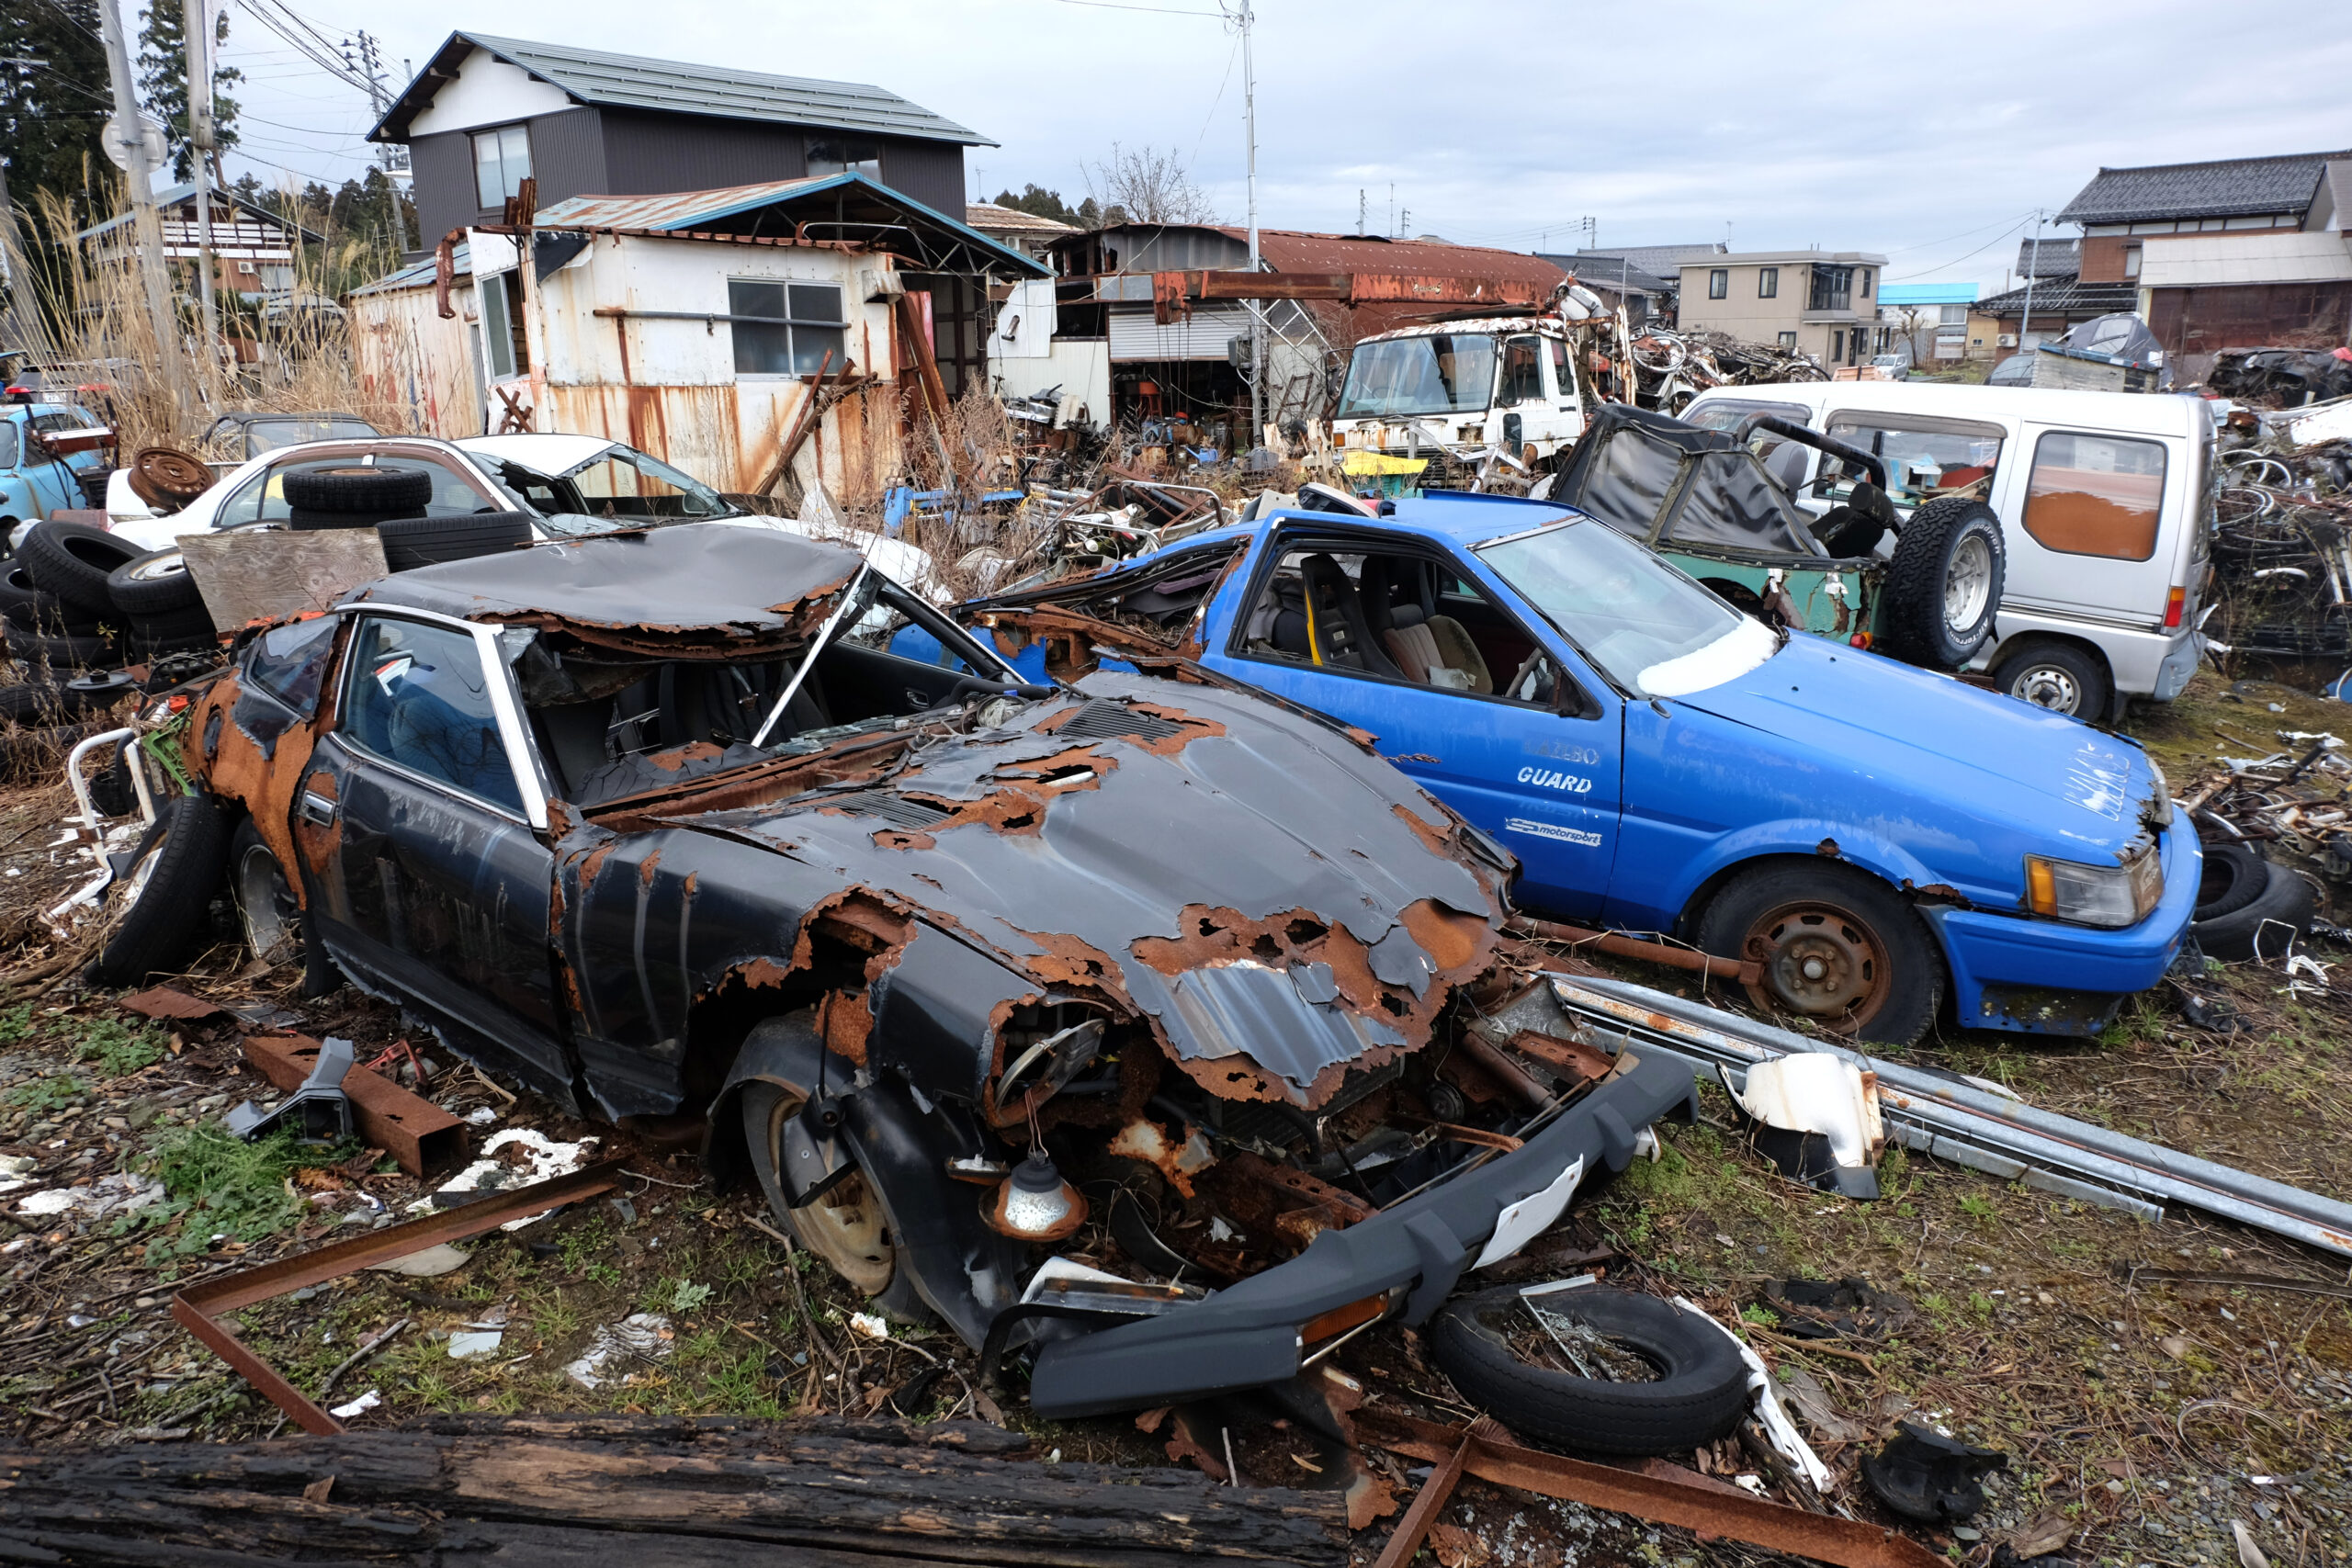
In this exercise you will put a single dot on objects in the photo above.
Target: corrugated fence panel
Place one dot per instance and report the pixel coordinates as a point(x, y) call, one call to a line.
point(1136, 336)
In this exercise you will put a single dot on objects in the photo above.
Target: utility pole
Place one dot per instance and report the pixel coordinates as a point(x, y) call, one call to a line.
point(1257, 308)
point(131, 137)
point(1359, 212)
point(196, 22)
point(2033, 265)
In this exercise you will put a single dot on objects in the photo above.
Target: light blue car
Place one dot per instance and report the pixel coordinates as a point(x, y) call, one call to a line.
point(1883, 840)
point(34, 482)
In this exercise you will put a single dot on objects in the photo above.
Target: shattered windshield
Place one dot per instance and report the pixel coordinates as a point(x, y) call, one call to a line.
point(1652, 630)
point(1443, 373)
point(620, 488)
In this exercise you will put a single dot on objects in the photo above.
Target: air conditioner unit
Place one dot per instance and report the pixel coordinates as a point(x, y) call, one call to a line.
point(2008, 340)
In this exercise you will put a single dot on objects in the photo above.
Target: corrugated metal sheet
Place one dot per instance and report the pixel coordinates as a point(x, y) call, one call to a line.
point(1134, 336)
point(1196, 247)
point(623, 81)
point(568, 152)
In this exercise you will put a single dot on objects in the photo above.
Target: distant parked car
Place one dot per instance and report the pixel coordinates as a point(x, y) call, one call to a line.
point(1877, 838)
point(37, 478)
point(2017, 370)
point(238, 436)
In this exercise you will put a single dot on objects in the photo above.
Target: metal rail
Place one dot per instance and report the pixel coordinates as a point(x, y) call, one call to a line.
point(1953, 1120)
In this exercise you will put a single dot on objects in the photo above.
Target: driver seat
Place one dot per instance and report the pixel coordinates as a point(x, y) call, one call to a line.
point(1337, 631)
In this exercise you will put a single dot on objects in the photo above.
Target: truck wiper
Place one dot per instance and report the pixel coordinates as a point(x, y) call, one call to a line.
point(815, 647)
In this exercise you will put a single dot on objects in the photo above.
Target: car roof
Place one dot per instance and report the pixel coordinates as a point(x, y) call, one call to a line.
point(708, 586)
point(1456, 517)
point(2156, 413)
point(546, 452)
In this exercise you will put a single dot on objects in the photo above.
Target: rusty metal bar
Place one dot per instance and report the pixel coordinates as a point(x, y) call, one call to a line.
point(1748, 973)
point(1848, 1543)
point(1434, 1495)
point(418, 1134)
point(200, 1307)
point(1504, 1071)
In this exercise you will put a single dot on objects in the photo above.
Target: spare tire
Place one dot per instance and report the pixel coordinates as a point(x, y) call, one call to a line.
point(388, 493)
point(150, 637)
point(2234, 876)
point(2266, 924)
point(413, 542)
point(170, 882)
point(73, 560)
point(1943, 587)
point(167, 479)
point(1700, 1393)
point(154, 585)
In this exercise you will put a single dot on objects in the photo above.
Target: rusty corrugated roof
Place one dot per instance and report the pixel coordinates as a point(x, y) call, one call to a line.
point(1291, 250)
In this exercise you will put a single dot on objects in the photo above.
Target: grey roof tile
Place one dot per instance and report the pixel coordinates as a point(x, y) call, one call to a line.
point(2230, 187)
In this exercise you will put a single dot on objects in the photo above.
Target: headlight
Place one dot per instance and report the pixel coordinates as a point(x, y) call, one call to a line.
point(2096, 895)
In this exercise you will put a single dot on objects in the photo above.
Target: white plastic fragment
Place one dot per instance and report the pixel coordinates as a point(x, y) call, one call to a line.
point(872, 1327)
point(465, 1345)
point(641, 1335)
point(1530, 1217)
point(1785, 1437)
point(359, 1406)
point(545, 1158)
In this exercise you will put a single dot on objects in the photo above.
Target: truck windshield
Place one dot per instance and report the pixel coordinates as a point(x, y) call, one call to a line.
point(1445, 373)
point(1652, 630)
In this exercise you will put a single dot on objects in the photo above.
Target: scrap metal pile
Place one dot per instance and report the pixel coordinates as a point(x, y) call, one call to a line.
point(1672, 368)
point(2283, 557)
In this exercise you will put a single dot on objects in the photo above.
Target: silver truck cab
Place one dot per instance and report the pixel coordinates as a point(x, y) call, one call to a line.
point(1464, 388)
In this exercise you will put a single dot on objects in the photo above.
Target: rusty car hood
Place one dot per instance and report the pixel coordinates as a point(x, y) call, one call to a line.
point(1278, 902)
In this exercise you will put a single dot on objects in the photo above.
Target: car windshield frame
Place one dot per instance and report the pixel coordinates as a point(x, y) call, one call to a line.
point(1469, 389)
point(1719, 644)
point(566, 483)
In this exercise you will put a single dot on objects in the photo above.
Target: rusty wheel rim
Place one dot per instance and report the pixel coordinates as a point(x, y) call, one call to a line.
point(844, 1227)
point(1821, 961)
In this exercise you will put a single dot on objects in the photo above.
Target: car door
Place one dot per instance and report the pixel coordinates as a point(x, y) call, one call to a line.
point(1476, 700)
point(2085, 512)
point(424, 818)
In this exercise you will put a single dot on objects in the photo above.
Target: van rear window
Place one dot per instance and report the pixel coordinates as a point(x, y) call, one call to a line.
point(2095, 495)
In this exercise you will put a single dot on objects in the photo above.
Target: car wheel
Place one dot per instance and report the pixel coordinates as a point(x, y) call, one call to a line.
point(1943, 586)
point(2057, 676)
point(2266, 924)
point(277, 929)
point(1509, 1361)
point(844, 1226)
point(2232, 877)
point(1837, 946)
point(157, 583)
point(164, 893)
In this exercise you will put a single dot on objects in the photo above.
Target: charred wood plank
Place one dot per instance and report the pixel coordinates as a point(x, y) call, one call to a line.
point(687, 1492)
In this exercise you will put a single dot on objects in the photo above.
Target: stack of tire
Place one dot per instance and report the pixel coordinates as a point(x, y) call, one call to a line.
point(392, 500)
point(2248, 907)
point(81, 598)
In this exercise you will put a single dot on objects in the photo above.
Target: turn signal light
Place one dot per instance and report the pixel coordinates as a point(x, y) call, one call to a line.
point(2175, 603)
point(1859, 639)
point(1035, 1203)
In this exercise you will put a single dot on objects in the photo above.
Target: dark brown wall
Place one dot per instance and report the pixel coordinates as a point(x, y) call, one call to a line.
point(2103, 257)
point(444, 174)
point(930, 172)
point(567, 158)
point(2201, 320)
point(648, 154)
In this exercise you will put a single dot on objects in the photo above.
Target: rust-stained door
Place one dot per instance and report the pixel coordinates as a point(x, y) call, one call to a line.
point(436, 889)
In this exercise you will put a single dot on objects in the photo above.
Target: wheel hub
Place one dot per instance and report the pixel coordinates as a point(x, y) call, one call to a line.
point(1968, 584)
point(1821, 962)
point(2047, 687)
point(266, 906)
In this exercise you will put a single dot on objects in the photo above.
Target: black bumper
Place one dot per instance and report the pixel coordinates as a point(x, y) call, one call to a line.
point(1249, 1335)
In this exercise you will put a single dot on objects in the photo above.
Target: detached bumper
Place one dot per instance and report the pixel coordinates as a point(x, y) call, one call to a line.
point(1249, 1335)
point(2046, 977)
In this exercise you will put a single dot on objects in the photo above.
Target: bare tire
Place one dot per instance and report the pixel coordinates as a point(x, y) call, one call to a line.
point(1699, 1393)
point(413, 542)
point(2265, 925)
point(168, 887)
point(384, 491)
point(157, 583)
point(844, 1226)
point(276, 927)
point(1943, 586)
point(2057, 676)
point(1837, 946)
point(73, 561)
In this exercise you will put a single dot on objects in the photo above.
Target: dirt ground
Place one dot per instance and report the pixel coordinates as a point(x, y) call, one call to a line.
point(2150, 1415)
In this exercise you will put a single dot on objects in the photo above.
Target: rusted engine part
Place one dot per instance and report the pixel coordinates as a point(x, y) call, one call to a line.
point(200, 1308)
point(1956, 1122)
point(1485, 1449)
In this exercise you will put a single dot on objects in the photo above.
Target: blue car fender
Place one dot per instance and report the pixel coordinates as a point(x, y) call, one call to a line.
point(1817, 837)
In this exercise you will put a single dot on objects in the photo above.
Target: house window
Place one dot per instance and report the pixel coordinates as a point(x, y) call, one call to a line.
point(784, 329)
point(1789, 342)
point(1833, 289)
point(1866, 283)
point(2130, 261)
point(501, 163)
point(1837, 344)
point(1719, 282)
point(1768, 283)
point(1952, 316)
point(845, 158)
point(502, 326)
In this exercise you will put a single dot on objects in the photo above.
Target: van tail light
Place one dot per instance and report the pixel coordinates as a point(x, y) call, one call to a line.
point(1859, 639)
point(2176, 605)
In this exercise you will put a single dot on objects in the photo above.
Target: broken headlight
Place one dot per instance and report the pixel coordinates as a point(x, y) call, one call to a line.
point(2112, 896)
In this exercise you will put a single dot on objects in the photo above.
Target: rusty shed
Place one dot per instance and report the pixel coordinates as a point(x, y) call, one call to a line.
point(788, 326)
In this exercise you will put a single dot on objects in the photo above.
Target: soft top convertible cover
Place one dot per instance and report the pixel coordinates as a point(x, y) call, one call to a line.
point(718, 587)
point(1656, 479)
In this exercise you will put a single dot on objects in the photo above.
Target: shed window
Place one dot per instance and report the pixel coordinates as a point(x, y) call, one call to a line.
point(2095, 495)
point(1768, 283)
point(501, 163)
point(843, 157)
point(784, 329)
point(1718, 282)
point(502, 326)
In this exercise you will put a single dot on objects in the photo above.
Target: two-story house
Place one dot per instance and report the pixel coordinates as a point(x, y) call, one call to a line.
point(1818, 302)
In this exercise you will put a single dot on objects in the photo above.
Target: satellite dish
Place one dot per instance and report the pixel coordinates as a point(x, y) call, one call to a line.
point(159, 149)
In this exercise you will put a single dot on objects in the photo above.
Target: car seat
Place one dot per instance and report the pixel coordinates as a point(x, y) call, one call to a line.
point(1336, 630)
point(1429, 648)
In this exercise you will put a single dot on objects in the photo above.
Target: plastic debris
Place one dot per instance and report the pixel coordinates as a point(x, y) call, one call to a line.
point(545, 1158)
point(641, 1335)
point(360, 1406)
point(1926, 1476)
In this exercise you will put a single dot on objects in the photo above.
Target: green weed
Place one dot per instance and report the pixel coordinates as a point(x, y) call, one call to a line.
point(16, 1024)
point(42, 1096)
point(222, 1185)
point(118, 1049)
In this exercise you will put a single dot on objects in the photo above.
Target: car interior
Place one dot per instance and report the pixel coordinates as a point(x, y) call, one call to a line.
point(1400, 615)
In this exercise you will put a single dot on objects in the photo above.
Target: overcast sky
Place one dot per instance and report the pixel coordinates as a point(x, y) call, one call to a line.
point(1929, 140)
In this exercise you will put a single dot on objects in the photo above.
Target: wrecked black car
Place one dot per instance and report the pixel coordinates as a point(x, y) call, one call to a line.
point(1169, 978)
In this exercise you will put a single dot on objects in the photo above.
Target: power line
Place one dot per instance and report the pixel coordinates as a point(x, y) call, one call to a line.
point(1955, 261)
point(1155, 10)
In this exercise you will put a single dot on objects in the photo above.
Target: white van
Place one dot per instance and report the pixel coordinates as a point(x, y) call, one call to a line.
point(2106, 501)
